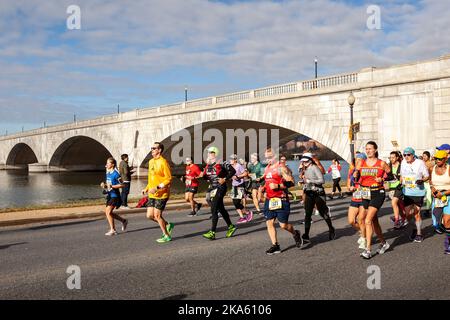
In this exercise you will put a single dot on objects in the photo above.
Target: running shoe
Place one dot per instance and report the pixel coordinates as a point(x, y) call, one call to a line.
point(366, 254)
point(169, 228)
point(306, 241)
point(332, 234)
point(404, 223)
point(231, 231)
point(363, 244)
point(164, 239)
point(418, 238)
point(392, 219)
point(249, 216)
point(124, 225)
point(199, 206)
point(111, 233)
point(298, 239)
point(383, 247)
point(398, 224)
point(274, 249)
point(413, 235)
point(192, 214)
point(241, 220)
point(360, 240)
point(260, 213)
point(447, 251)
point(210, 235)
point(438, 230)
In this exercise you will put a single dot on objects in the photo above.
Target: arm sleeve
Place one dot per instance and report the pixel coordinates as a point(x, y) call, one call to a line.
point(167, 174)
point(318, 176)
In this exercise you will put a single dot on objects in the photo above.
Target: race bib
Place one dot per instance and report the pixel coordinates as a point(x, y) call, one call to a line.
point(213, 193)
point(252, 176)
point(275, 204)
point(239, 194)
point(438, 203)
point(188, 182)
point(391, 194)
point(409, 182)
point(357, 195)
point(365, 193)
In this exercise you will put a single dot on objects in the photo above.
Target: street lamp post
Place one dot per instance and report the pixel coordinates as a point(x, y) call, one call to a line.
point(315, 65)
point(351, 101)
point(185, 94)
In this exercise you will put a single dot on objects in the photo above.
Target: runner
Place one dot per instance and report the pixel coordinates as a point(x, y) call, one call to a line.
point(315, 197)
point(158, 190)
point(440, 187)
point(193, 172)
point(217, 175)
point(369, 173)
point(335, 170)
point(413, 175)
point(276, 206)
point(256, 172)
point(395, 191)
point(113, 184)
point(428, 197)
point(247, 184)
point(238, 191)
point(356, 210)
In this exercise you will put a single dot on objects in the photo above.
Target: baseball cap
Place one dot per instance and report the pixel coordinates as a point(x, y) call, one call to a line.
point(445, 146)
point(409, 150)
point(440, 154)
point(308, 155)
point(233, 157)
point(213, 149)
point(305, 158)
point(188, 159)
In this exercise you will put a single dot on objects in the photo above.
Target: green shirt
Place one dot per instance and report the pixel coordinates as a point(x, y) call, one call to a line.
point(393, 185)
point(255, 170)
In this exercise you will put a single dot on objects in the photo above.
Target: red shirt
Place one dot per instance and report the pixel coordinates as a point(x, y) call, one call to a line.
point(192, 172)
point(369, 174)
point(272, 174)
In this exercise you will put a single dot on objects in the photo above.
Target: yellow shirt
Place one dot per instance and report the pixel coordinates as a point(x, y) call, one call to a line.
point(159, 172)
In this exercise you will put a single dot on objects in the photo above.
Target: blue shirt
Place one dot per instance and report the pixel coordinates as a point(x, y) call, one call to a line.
point(113, 178)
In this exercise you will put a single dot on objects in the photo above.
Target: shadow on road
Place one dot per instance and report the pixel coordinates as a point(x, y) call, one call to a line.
point(57, 225)
point(6, 246)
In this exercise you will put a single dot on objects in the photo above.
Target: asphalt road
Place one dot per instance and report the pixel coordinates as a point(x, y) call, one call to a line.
point(132, 265)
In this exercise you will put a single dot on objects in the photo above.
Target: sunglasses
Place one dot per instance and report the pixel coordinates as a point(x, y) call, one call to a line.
point(154, 148)
point(439, 159)
point(407, 154)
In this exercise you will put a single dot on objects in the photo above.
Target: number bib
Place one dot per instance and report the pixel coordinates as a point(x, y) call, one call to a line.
point(238, 195)
point(213, 193)
point(188, 182)
point(365, 193)
point(391, 194)
point(409, 182)
point(438, 203)
point(357, 195)
point(275, 204)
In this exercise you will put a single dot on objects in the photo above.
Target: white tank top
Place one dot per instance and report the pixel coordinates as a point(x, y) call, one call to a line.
point(441, 182)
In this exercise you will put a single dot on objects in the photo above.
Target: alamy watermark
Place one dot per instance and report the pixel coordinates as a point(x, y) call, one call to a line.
point(374, 19)
point(73, 22)
point(230, 141)
point(74, 280)
point(374, 279)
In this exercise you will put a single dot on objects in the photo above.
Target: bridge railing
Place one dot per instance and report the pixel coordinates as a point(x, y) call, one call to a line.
point(326, 82)
point(330, 81)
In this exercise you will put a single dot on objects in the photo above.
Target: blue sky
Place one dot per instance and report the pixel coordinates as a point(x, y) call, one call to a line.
point(141, 53)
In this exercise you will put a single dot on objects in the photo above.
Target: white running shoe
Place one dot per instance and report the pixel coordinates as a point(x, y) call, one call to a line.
point(111, 233)
point(363, 244)
point(383, 248)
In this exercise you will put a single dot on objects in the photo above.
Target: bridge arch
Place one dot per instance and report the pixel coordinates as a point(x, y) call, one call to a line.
point(254, 137)
point(21, 154)
point(79, 153)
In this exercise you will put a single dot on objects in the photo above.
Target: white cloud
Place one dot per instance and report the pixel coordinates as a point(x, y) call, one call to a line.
point(126, 49)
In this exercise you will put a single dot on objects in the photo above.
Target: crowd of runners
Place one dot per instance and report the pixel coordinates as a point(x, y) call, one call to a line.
point(412, 182)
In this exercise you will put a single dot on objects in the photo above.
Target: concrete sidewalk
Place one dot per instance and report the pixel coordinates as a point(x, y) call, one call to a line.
point(97, 211)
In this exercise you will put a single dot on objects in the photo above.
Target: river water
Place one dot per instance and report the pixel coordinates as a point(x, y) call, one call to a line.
point(21, 189)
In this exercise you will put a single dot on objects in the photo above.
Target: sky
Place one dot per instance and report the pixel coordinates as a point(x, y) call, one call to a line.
point(143, 53)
